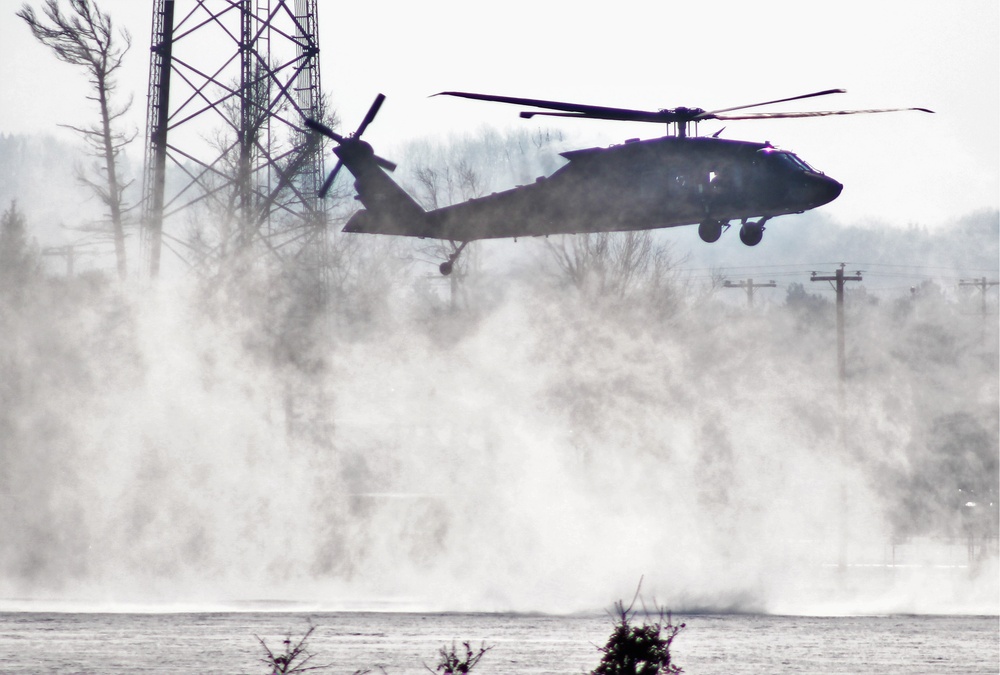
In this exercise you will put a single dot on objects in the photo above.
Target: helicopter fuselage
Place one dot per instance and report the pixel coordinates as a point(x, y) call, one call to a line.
point(639, 185)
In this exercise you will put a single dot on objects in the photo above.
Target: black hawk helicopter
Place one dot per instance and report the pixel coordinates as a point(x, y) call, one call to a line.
point(678, 179)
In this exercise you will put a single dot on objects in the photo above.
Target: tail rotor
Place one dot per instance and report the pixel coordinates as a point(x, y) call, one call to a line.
point(354, 140)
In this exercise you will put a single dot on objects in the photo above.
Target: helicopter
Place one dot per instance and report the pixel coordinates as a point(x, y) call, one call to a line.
point(678, 179)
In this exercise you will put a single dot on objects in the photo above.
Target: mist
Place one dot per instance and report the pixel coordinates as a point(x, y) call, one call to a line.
point(533, 446)
point(363, 433)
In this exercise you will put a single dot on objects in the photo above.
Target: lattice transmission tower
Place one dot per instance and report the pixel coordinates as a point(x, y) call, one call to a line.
point(230, 168)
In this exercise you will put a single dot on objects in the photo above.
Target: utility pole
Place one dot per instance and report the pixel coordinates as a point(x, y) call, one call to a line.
point(983, 285)
point(750, 286)
point(840, 279)
point(67, 252)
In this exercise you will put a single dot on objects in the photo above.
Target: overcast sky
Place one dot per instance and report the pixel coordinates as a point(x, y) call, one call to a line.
point(899, 168)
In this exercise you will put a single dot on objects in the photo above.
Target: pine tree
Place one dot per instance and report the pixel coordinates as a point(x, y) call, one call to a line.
point(86, 37)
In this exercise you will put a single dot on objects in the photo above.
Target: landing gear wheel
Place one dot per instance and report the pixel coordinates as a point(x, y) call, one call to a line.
point(751, 234)
point(449, 264)
point(710, 231)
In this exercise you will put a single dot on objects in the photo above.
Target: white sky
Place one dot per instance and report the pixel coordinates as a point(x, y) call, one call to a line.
point(898, 168)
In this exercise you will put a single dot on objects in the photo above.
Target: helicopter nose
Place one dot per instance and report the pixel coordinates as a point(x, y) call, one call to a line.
point(823, 190)
point(834, 189)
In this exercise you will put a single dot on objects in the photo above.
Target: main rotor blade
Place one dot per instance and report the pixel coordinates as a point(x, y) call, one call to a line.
point(528, 114)
point(581, 109)
point(372, 111)
point(818, 113)
point(323, 129)
point(780, 100)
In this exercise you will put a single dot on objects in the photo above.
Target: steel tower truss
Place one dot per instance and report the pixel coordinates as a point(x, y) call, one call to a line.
point(230, 84)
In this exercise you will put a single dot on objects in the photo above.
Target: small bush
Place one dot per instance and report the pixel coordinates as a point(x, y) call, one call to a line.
point(451, 663)
point(293, 659)
point(639, 650)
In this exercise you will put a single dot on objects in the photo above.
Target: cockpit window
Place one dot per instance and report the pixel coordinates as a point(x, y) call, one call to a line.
point(800, 162)
point(788, 159)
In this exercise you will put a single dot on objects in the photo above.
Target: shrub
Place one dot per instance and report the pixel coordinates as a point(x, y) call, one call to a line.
point(639, 649)
point(451, 663)
point(293, 659)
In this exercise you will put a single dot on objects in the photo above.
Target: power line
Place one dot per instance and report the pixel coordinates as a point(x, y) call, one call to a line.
point(920, 267)
point(881, 271)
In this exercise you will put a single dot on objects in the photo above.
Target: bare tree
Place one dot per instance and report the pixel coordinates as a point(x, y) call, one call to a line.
point(293, 659)
point(613, 264)
point(449, 180)
point(86, 37)
point(251, 199)
point(441, 186)
point(229, 225)
point(468, 167)
point(451, 661)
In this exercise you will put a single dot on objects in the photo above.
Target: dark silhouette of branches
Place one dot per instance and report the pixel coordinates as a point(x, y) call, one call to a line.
point(452, 663)
point(614, 264)
point(639, 650)
point(86, 37)
point(293, 660)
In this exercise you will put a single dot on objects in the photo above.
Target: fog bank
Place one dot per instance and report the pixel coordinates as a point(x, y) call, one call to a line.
point(534, 448)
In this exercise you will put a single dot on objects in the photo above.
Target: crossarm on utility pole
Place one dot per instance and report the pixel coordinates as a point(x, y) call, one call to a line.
point(840, 279)
point(983, 285)
point(750, 286)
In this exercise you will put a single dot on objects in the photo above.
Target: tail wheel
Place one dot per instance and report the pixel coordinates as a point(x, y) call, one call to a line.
point(448, 265)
